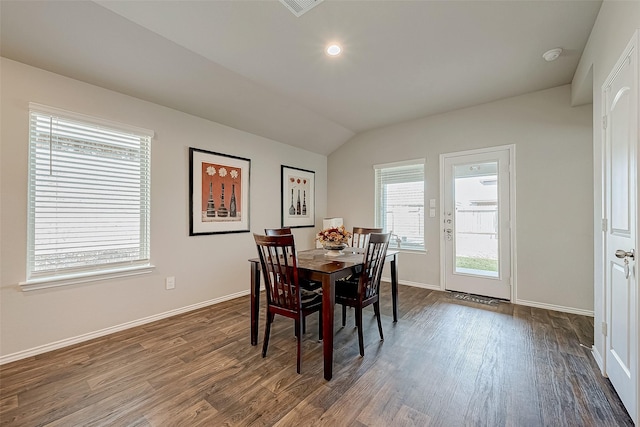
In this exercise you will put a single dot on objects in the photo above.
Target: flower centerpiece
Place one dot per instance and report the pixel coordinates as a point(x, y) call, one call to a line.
point(334, 239)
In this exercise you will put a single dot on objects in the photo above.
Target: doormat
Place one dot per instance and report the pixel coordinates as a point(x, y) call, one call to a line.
point(475, 298)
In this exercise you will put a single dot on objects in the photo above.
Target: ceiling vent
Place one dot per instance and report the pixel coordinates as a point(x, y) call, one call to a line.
point(298, 7)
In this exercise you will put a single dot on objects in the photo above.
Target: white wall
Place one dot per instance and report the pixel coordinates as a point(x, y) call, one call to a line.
point(554, 197)
point(206, 267)
point(614, 27)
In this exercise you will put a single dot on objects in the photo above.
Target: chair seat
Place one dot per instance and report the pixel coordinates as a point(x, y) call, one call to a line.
point(310, 292)
point(354, 276)
point(310, 298)
point(348, 287)
point(310, 285)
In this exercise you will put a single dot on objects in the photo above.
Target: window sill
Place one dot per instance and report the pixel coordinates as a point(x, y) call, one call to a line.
point(85, 277)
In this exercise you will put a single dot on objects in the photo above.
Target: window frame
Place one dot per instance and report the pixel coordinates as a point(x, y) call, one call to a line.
point(65, 275)
point(379, 205)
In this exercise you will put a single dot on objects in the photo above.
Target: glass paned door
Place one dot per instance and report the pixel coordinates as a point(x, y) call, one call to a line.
point(476, 240)
point(476, 219)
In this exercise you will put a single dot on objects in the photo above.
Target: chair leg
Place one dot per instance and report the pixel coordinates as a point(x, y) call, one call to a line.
point(376, 309)
point(359, 326)
point(267, 331)
point(344, 315)
point(296, 328)
point(299, 360)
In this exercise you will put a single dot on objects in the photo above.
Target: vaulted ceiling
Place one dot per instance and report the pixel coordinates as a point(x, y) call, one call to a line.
point(255, 66)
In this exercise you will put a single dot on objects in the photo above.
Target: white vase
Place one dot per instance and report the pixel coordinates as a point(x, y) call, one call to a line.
point(334, 249)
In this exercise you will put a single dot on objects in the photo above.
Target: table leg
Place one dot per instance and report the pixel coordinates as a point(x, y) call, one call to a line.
point(255, 301)
point(328, 302)
point(394, 287)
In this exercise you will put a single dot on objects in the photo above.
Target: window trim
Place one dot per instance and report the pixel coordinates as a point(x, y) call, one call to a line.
point(85, 277)
point(47, 279)
point(377, 201)
point(33, 106)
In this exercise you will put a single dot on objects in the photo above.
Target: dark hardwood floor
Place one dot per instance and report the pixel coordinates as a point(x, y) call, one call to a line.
point(445, 363)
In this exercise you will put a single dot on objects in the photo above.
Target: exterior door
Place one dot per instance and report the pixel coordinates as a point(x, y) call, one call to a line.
point(620, 98)
point(476, 222)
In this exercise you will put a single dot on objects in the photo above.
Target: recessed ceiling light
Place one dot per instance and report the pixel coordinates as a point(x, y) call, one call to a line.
point(334, 50)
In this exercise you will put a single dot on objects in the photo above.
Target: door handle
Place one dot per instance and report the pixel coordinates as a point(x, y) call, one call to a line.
point(621, 253)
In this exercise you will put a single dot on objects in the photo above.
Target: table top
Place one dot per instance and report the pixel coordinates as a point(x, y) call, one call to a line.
point(316, 260)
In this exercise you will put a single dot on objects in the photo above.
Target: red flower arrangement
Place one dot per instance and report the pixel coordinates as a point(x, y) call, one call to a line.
point(333, 235)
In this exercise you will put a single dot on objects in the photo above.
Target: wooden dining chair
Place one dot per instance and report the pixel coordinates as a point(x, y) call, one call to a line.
point(360, 235)
point(277, 231)
point(279, 262)
point(308, 285)
point(363, 289)
point(359, 238)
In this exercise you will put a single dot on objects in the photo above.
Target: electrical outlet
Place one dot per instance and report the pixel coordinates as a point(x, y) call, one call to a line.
point(170, 282)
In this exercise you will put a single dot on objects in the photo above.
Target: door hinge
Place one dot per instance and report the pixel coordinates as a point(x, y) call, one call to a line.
point(604, 122)
point(605, 225)
point(604, 328)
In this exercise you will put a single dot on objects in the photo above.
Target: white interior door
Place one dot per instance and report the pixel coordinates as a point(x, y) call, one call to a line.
point(620, 97)
point(476, 222)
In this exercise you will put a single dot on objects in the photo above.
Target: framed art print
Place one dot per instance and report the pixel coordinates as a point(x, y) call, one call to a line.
point(218, 193)
point(298, 197)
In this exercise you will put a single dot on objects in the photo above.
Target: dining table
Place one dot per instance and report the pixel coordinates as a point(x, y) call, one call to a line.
point(316, 265)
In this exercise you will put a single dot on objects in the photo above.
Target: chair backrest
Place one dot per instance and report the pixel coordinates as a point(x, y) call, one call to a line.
point(376, 251)
point(279, 263)
point(361, 235)
point(277, 231)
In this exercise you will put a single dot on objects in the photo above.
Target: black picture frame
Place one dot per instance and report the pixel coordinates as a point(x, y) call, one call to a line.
point(218, 193)
point(297, 197)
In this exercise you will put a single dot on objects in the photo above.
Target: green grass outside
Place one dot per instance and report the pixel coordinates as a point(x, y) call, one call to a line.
point(483, 264)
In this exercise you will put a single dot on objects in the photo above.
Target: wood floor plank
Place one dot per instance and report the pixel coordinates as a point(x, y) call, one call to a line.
point(446, 362)
point(8, 402)
point(108, 411)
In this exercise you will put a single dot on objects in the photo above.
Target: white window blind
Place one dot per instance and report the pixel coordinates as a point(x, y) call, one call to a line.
point(400, 203)
point(89, 194)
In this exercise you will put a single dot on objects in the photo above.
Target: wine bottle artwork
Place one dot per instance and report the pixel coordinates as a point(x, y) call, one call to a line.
point(292, 210)
point(222, 210)
point(233, 212)
point(219, 201)
point(298, 210)
point(304, 203)
point(211, 206)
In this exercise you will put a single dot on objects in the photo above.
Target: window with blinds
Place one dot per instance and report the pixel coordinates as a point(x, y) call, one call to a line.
point(89, 195)
point(400, 203)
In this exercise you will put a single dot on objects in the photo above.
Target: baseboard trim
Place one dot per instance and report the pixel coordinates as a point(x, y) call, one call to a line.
point(598, 358)
point(554, 307)
point(414, 284)
point(102, 332)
